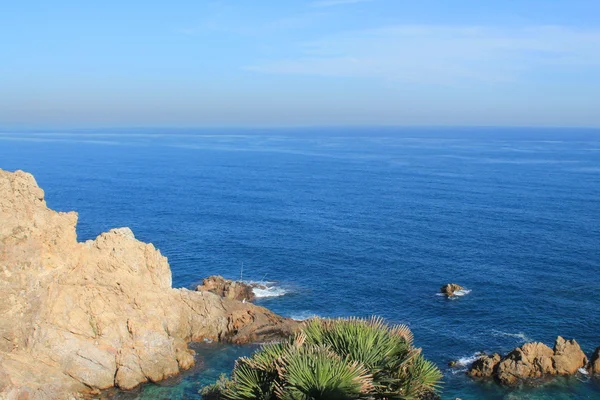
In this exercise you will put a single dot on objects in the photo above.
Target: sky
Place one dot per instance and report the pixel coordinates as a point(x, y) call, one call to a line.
point(194, 63)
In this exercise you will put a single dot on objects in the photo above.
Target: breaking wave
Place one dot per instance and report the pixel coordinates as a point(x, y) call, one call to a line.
point(462, 364)
point(267, 289)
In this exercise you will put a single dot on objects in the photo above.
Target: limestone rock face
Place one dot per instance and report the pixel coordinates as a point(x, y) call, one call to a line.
point(226, 288)
point(531, 361)
point(485, 366)
point(450, 288)
point(79, 317)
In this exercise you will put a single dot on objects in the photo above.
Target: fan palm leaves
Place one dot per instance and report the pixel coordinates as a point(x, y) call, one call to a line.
point(318, 373)
point(333, 359)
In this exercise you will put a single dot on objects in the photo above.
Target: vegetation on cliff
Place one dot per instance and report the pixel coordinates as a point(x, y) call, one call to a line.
point(333, 359)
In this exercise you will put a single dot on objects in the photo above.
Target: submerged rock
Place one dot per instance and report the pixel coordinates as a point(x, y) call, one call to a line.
point(531, 361)
point(450, 289)
point(80, 317)
point(229, 289)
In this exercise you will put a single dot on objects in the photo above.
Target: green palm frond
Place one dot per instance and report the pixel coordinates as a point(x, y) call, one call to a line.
point(334, 359)
point(314, 373)
point(267, 357)
point(248, 383)
point(415, 378)
point(423, 375)
point(369, 341)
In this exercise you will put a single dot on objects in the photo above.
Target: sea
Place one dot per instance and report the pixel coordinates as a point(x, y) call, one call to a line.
point(356, 221)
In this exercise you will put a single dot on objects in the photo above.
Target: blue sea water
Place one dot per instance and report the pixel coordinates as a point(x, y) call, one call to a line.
point(368, 221)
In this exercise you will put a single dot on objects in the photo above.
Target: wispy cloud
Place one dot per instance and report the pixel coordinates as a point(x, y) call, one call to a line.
point(442, 54)
point(332, 3)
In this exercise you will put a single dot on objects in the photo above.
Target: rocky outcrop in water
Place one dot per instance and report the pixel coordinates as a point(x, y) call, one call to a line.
point(531, 361)
point(80, 317)
point(485, 366)
point(450, 289)
point(594, 366)
point(229, 289)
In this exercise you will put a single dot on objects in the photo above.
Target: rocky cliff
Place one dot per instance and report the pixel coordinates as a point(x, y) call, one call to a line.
point(81, 317)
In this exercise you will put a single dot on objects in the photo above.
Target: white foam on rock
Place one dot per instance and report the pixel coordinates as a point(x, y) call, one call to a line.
point(463, 363)
point(468, 360)
point(266, 289)
point(458, 293)
point(583, 371)
point(272, 291)
point(462, 292)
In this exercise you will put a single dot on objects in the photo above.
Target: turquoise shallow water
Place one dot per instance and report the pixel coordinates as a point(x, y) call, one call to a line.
point(357, 222)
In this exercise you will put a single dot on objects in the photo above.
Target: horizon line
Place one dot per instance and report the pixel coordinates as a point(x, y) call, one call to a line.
point(82, 128)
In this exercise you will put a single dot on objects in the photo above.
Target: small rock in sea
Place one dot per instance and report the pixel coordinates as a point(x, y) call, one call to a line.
point(450, 289)
point(452, 363)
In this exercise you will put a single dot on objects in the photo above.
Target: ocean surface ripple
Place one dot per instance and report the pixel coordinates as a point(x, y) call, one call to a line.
point(345, 222)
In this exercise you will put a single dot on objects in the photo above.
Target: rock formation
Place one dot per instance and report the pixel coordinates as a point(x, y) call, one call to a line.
point(450, 288)
point(485, 366)
point(568, 357)
point(80, 317)
point(594, 366)
point(531, 361)
point(226, 288)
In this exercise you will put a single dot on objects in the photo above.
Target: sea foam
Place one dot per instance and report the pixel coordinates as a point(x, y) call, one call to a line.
point(462, 364)
point(303, 316)
point(520, 335)
point(462, 292)
point(266, 289)
point(468, 360)
point(458, 293)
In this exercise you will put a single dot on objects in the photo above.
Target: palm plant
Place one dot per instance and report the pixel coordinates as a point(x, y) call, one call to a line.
point(333, 359)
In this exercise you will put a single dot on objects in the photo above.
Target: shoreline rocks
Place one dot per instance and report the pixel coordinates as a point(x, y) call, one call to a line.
point(81, 317)
point(531, 361)
point(484, 366)
point(233, 290)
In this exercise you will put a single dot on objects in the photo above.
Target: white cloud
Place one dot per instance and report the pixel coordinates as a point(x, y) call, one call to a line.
point(331, 3)
point(442, 54)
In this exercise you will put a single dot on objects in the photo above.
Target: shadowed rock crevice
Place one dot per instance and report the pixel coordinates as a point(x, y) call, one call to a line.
point(80, 317)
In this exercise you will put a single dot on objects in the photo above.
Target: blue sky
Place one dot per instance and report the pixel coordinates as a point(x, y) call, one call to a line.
point(299, 62)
